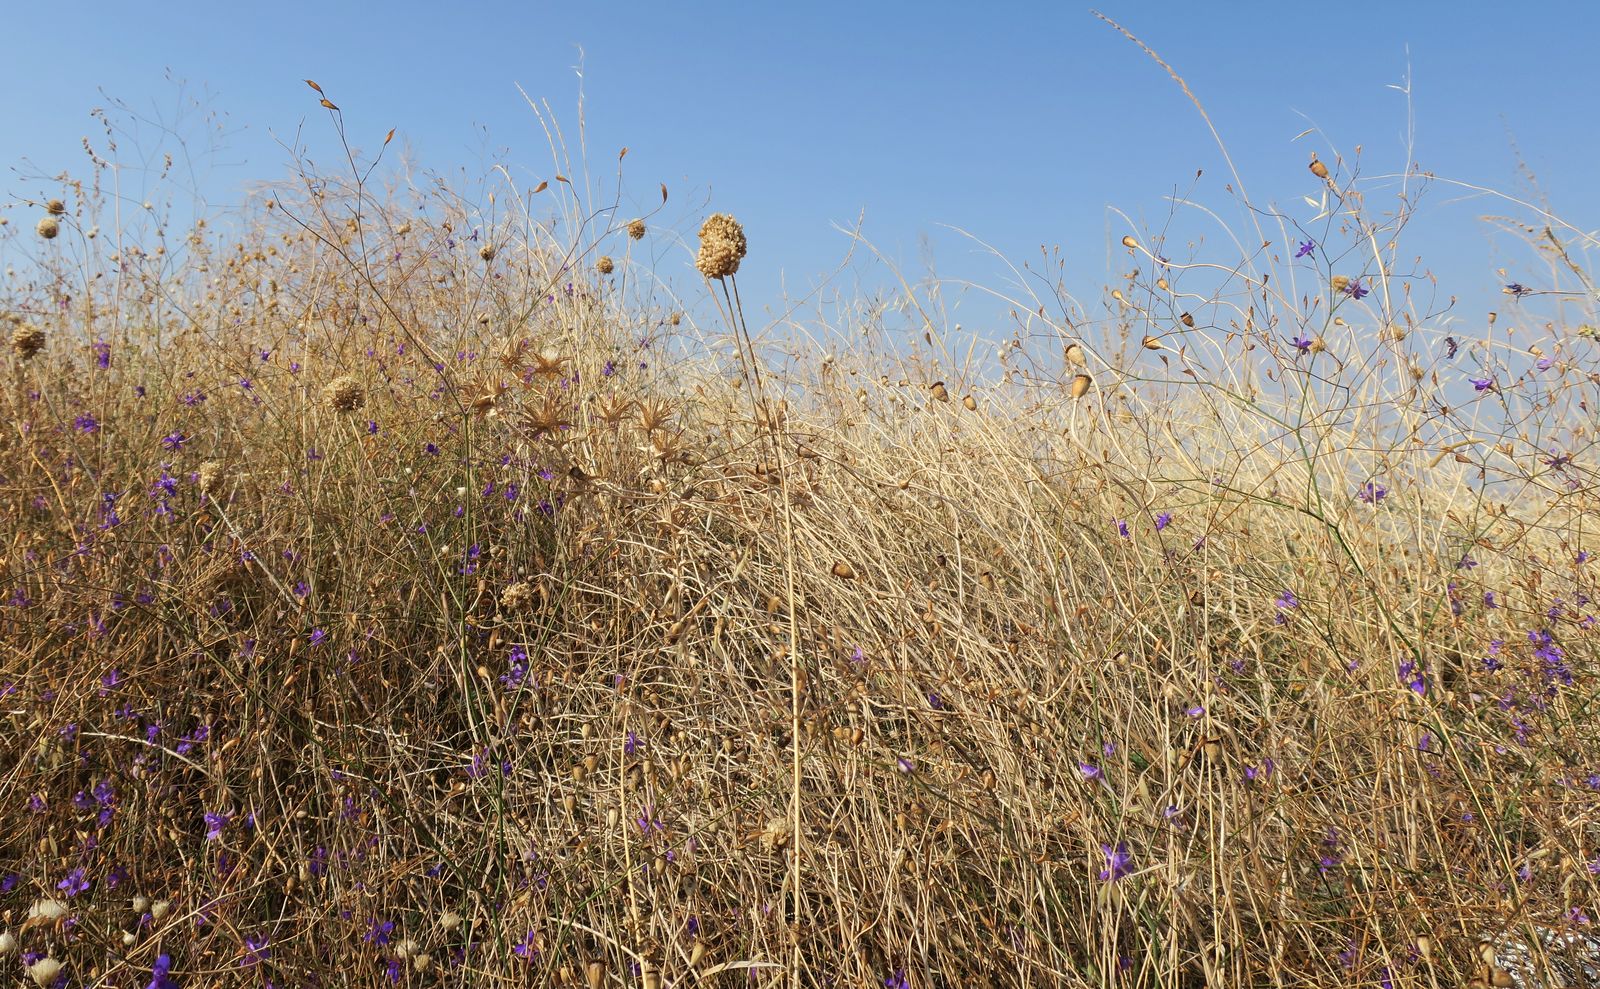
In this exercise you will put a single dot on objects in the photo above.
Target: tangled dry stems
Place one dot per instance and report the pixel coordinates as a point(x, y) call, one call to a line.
point(493, 681)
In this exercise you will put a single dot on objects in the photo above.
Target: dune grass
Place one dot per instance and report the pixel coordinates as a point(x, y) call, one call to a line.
point(401, 589)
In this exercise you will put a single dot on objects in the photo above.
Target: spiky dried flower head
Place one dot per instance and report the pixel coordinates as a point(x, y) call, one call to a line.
point(48, 227)
point(27, 340)
point(605, 265)
point(517, 597)
point(344, 394)
point(486, 252)
point(722, 246)
point(636, 229)
point(55, 207)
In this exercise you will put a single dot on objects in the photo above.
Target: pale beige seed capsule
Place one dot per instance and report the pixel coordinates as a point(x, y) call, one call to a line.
point(844, 571)
point(1152, 343)
point(55, 207)
point(970, 403)
point(636, 229)
point(1318, 168)
point(939, 391)
point(1080, 385)
point(1129, 242)
point(48, 227)
point(1075, 354)
point(605, 265)
point(487, 252)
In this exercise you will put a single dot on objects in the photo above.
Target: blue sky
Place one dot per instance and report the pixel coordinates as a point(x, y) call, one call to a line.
point(1022, 123)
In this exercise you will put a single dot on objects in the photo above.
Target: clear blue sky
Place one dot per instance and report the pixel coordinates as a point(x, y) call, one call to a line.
point(1020, 122)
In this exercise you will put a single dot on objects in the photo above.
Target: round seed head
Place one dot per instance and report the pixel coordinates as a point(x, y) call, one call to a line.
point(605, 265)
point(1318, 168)
point(344, 394)
point(636, 229)
point(27, 340)
point(1129, 242)
point(1080, 385)
point(722, 246)
point(486, 252)
point(48, 227)
point(55, 207)
point(1341, 283)
point(939, 391)
point(517, 597)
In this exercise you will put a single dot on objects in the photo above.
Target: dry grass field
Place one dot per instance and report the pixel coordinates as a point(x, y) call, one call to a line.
point(403, 588)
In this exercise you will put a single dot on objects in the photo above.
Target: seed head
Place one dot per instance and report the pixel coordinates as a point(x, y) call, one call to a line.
point(636, 229)
point(1318, 168)
point(605, 265)
point(517, 597)
point(55, 207)
point(207, 476)
point(344, 394)
point(722, 246)
point(1341, 283)
point(27, 340)
point(48, 227)
point(44, 971)
point(1080, 385)
point(486, 252)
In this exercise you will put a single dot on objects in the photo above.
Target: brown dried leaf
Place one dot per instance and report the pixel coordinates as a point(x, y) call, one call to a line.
point(314, 86)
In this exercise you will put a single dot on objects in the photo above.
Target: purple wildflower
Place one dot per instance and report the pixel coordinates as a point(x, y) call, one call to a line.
point(1119, 862)
point(1356, 290)
point(1306, 248)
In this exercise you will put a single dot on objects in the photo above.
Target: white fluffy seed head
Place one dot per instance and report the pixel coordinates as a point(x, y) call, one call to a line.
point(44, 971)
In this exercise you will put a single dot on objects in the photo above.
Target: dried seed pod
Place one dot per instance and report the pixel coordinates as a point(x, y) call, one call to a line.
point(1318, 168)
point(605, 265)
point(487, 252)
point(1186, 320)
point(844, 571)
point(636, 229)
point(1075, 354)
point(47, 227)
point(1080, 385)
point(939, 391)
point(970, 403)
point(1130, 243)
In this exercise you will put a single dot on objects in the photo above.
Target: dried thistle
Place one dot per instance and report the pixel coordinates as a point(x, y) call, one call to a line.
point(605, 265)
point(48, 227)
point(344, 394)
point(722, 246)
point(55, 207)
point(27, 340)
point(1341, 283)
point(548, 363)
point(636, 229)
point(654, 414)
point(486, 252)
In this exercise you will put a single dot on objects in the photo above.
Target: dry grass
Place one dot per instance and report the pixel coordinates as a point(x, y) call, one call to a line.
point(387, 606)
